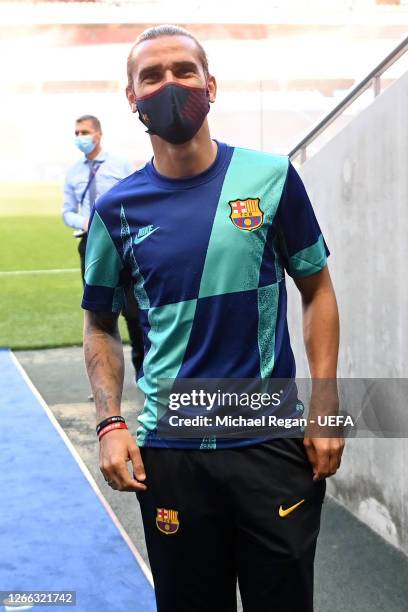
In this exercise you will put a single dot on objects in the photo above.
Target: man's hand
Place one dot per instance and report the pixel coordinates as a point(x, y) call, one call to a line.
point(325, 455)
point(116, 449)
point(85, 224)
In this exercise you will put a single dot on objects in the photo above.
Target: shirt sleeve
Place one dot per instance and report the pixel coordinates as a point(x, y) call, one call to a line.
point(70, 213)
point(303, 248)
point(105, 275)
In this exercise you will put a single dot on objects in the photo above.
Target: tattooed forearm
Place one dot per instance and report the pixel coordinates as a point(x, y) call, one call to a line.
point(104, 403)
point(103, 353)
point(93, 361)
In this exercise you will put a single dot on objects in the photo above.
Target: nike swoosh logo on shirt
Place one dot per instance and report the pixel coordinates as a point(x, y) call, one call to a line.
point(147, 232)
point(284, 512)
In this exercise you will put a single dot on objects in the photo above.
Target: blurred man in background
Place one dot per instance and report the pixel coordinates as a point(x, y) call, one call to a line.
point(86, 180)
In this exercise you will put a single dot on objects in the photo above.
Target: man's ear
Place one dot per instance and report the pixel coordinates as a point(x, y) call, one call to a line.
point(130, 94)
point(212, 88)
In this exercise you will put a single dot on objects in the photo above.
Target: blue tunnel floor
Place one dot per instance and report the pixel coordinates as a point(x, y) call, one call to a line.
point(56, 533)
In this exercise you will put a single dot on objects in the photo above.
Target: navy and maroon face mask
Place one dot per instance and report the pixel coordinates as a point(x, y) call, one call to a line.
point(174, 112)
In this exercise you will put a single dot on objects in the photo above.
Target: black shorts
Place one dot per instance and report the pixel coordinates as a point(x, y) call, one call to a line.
point(248, 513)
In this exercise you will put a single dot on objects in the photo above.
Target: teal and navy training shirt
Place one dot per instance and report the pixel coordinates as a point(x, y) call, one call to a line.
point(206, 256)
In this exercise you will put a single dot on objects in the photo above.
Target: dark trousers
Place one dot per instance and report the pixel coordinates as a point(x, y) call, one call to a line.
point(212, 517)
point(130, 312)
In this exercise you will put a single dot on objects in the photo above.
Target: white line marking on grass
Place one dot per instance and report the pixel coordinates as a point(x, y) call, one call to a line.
point(145, 569)
point(28, 272)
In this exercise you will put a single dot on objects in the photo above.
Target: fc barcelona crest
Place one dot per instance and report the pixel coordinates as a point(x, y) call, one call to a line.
point(246, 214)
point(167, 521)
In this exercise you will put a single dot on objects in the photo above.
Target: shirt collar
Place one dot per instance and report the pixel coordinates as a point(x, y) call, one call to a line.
point(103, 156)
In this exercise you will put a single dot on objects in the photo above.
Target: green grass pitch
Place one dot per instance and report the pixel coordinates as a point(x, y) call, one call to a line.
point(38, 310)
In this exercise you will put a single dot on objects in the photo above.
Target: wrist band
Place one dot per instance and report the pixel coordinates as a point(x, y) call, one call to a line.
point(111, 427)
point(112, 419)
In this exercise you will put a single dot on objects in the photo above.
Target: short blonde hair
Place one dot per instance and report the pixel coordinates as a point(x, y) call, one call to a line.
point(158, 32)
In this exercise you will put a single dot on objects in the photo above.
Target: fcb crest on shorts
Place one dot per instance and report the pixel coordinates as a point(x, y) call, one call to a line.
point(167, 521)
point(246, 214)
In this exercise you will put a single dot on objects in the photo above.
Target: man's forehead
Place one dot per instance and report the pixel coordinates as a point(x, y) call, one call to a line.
point(86, 124)
point(164, 48)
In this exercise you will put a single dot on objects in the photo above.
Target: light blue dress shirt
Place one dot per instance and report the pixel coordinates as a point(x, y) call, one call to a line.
point(112, 170)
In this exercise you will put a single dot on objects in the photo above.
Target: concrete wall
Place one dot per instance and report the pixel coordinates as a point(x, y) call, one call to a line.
point(358, 184)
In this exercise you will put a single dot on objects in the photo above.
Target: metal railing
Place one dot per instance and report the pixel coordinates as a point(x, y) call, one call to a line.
point(373, 79)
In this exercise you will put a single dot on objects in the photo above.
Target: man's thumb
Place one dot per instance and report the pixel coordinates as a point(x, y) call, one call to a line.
point(137, 463)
